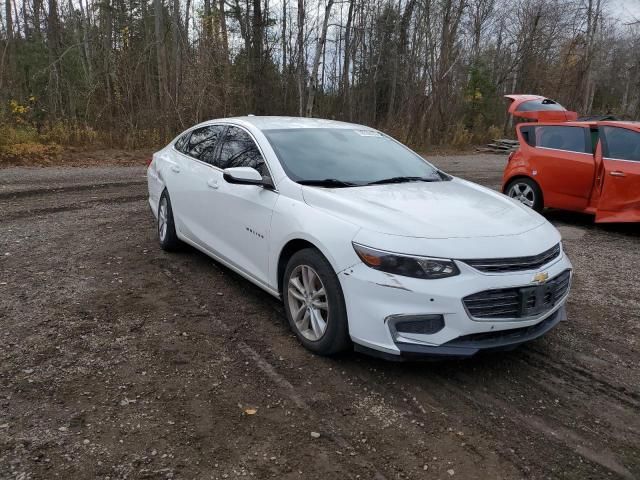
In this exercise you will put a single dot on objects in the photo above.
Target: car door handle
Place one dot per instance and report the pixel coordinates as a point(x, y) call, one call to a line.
point(175, 168)
point(617, 173)
point(212, 183)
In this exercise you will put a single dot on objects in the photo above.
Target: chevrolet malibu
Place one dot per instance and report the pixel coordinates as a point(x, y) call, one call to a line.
point(367, 244)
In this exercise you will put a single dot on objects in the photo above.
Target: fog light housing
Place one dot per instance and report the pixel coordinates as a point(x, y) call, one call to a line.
point(415, 324)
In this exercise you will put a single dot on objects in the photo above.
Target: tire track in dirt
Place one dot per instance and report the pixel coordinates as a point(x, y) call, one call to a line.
point(472, 404)
point(560, 435)
point(399, 419)
point(39, 192)
point(270, 370)
point(580, 377)
point(85, 204)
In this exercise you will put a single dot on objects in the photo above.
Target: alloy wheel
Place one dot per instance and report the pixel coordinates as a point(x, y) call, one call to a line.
point(523, 193)
point(162, 218)
point(308, 303)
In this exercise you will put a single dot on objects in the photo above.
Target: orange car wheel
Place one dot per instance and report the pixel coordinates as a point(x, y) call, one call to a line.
point(527, 192)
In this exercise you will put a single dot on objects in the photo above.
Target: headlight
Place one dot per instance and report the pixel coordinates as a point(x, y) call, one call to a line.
point(408, 266)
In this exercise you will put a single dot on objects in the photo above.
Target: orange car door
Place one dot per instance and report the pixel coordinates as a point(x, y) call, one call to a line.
point(620, 192)
point(563, 164)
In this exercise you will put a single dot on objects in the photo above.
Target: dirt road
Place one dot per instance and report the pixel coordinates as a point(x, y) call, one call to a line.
point(118, 360)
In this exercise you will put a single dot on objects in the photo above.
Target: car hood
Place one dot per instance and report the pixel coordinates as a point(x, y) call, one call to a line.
point(447, 209)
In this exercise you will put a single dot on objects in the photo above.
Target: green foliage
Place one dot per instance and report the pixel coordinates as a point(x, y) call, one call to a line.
point(478, 98)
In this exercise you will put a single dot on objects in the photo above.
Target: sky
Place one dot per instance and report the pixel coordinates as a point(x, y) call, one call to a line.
point(625, 10)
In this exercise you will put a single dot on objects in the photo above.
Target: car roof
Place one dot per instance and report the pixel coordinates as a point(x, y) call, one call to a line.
point(613, 123)
point(279, 123)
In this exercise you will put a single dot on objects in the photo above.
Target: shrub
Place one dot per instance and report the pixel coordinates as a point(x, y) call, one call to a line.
point(461, 137)
point(494, 132)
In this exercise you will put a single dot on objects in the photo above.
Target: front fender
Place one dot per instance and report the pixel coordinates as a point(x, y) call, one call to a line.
point(295, 220)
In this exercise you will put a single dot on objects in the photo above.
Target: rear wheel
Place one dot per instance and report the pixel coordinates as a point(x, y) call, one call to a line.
point(314, 303)
point(527, 192)
point(166, 227)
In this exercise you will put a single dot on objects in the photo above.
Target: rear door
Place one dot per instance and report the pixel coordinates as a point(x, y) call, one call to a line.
point(194, 181)
point(562, 162)
point(620, 192)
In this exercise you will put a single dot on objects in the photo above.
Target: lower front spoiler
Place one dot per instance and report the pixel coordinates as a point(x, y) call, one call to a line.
point(469, 345)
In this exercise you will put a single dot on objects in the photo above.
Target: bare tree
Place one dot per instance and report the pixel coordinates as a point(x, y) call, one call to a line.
point(301, 57)
point(429, 71)
point(313, 82)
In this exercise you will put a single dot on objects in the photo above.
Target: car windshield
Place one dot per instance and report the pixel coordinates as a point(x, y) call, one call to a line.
point(340, 157)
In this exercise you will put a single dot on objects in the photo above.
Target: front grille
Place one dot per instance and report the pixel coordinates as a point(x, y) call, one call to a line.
point(515, 264)
point(519, 302)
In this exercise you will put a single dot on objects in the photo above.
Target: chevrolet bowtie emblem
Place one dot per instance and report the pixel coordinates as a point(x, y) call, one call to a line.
point(540, 277)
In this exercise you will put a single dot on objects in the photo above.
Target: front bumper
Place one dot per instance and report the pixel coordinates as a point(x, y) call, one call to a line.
point(372, 297)
point(469, 345)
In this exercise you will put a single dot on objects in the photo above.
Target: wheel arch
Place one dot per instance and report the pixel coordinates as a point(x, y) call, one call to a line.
point(288, 250)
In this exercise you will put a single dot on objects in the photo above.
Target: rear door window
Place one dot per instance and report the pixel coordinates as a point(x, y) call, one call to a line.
point(572, 139)
point(203, 143)
point(621, 144)
point(239, 150)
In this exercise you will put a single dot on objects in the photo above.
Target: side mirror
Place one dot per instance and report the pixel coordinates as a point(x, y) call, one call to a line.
point(246, 176)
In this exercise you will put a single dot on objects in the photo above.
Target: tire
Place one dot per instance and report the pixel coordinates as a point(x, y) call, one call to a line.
point(166, 227)
point(527, 192)
point(298, 294)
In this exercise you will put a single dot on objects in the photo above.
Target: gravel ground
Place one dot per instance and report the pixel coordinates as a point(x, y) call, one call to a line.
point(118, 360)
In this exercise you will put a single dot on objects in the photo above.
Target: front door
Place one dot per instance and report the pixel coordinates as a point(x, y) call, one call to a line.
point(240, 229)
point(562, 163)
point(620, 192)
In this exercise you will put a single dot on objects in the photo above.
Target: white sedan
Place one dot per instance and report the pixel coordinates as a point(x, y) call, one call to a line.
point(367, 244)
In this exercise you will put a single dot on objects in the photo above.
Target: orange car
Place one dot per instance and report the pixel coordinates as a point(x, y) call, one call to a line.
point(584, 166)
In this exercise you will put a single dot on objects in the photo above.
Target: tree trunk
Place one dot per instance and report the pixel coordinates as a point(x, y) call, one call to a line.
point(588, 86)
point(346, 64)
point(313, 83)
point(53, 32)
point(396, 63)
point(301, 62)
point(257, 60)
point(284, 36)
point(161, 55)
point(9, 21)
point(223, 29)
point(177, 54)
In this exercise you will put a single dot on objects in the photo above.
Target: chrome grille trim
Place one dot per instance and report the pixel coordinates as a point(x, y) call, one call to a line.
point(508, 303)
point(515, 264)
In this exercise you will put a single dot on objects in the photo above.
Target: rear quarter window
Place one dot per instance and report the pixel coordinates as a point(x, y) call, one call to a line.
point(528, 134)
point(571, 139)
point(181, 142)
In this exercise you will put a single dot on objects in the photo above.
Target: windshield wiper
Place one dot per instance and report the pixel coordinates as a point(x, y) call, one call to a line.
point(327, 182)
point(402, 180)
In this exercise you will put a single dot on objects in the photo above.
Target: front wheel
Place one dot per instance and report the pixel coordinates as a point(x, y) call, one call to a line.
point(314, 303)
point(527, 192)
